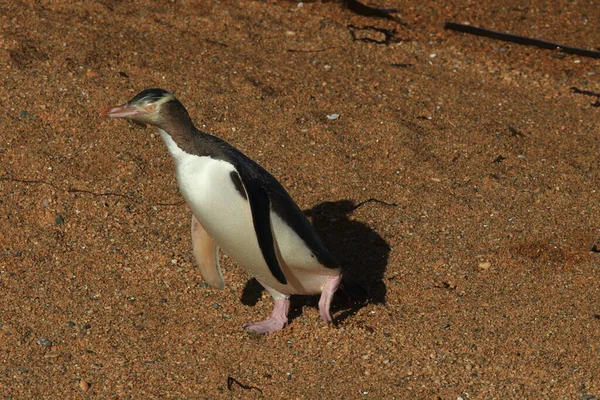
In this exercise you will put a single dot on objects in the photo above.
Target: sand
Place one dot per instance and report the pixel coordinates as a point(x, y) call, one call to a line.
point(458, 183)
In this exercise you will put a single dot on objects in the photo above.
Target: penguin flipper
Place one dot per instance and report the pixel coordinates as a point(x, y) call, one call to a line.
point(206, 254)
point(260, 205)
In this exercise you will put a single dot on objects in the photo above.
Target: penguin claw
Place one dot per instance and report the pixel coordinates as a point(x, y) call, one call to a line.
point(275, 322)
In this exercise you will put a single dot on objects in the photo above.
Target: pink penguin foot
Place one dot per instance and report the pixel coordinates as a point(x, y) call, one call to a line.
point(327, 296)
point(275, 322)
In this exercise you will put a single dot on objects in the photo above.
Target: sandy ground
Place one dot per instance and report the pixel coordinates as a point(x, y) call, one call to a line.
point(459, 184)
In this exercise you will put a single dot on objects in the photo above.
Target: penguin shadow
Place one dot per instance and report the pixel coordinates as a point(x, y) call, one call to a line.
point(363, 255)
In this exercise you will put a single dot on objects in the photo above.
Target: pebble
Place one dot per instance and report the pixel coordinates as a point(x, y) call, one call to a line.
point(44, 342)
point(26, 115)
point(93, 74)
point(485, 265)
point(84, 385)
point(333, 117)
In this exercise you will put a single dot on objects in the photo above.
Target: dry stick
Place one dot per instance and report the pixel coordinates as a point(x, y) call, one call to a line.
point(231, 380)
point(588, 93)
point(74, 190)
point(508, 37)
point(367, 11)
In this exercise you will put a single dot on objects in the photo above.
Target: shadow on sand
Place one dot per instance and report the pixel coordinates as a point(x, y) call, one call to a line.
point(362, 252)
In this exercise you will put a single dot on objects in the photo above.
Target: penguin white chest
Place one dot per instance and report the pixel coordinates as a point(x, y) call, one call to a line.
point(208, 189)
point(207, 186)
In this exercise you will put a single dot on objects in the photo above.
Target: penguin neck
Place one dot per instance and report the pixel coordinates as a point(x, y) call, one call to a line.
point(176, 121)
point(178, 131)
point(174, 148)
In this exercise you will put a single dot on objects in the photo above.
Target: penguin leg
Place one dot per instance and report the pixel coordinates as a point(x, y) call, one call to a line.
point(206, 254)
point(327, 296)
point(278, 318)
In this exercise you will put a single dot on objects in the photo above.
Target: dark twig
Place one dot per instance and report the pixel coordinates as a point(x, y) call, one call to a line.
point(585, 92)
point(74, 190)
point(367, 11)
point(515, 132)
point(588, 93)
point(215, 42)
point(402, 65)
point(508, 37)
point(310, 51)
point(388, 33)
point(374, 200)
point(232, 380)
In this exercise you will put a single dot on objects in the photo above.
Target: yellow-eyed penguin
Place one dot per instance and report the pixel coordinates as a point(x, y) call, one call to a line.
point(241, 208)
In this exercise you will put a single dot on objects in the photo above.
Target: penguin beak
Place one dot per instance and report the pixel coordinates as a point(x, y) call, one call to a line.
point(123, 111)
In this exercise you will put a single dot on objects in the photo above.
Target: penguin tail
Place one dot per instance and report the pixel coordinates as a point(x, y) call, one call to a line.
point(354, 289)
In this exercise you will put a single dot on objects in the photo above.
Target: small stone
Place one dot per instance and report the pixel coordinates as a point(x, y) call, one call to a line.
point(26, 115)
point(84, 385)
point(93, 74)
point(333, 117)
point(255, 335)
point(44, 342)
point(485, 265)
point(59, 220)
point(70, 324)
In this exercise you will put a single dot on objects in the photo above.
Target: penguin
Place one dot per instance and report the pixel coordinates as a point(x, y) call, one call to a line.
point(240, 208)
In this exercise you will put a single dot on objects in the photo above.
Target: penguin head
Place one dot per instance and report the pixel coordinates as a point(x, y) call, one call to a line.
point(154, 106)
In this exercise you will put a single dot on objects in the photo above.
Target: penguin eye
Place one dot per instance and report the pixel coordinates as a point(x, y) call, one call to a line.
point(150, 108)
